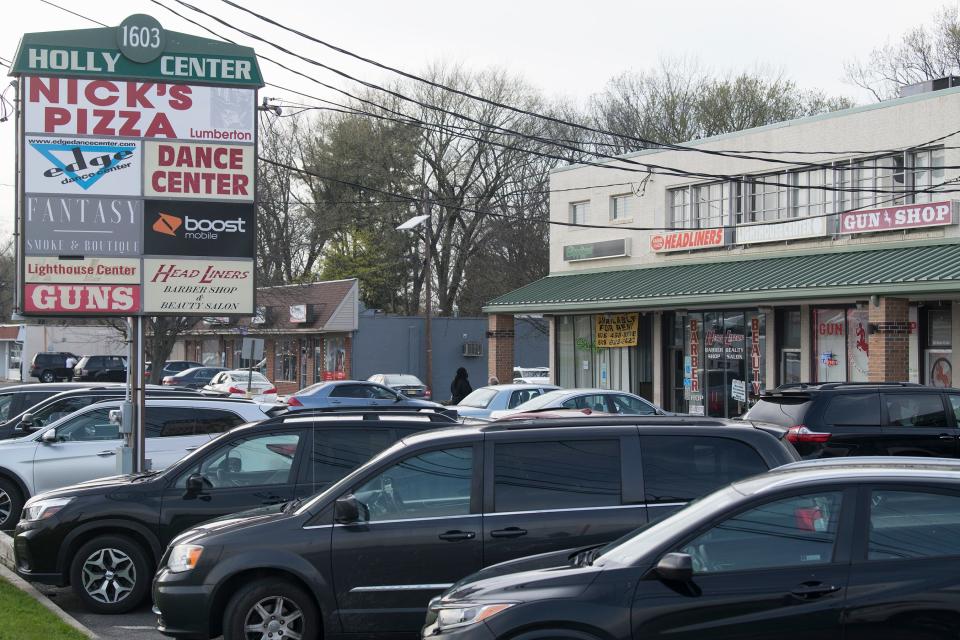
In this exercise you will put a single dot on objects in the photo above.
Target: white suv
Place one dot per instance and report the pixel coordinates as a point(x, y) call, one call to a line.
point(83, 445)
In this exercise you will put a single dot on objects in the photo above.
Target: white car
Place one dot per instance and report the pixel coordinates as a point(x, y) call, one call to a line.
point(237, 383)
point(501, 397)
point(601, 400)
point(84, 445)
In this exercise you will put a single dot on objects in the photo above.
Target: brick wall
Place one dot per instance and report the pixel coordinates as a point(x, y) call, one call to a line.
point(500, 335)
point(889, 340)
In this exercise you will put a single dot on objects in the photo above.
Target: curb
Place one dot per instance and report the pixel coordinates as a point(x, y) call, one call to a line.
point(6, 561)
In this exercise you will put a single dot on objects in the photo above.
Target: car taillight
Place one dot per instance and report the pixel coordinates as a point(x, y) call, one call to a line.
point(270, 390)
point(293, 402)
point(235, 390)
point(426, 393)
point(800, 433)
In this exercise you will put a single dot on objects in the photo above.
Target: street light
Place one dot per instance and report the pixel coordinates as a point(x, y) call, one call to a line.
point(410, 225)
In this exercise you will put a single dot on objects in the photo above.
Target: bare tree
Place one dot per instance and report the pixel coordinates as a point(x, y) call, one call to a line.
point(926, 52)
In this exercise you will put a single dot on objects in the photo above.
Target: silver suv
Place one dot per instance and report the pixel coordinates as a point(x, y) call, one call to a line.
point(83, 445)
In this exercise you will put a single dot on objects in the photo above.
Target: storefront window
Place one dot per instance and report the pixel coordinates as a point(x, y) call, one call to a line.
point(210, 354)
point(285, 360)
point(336, 356)
point(566, 364)
point(788, 333)
point(938, 352)
point(583, 343)
point(858, 347)
point(318, 360)
point(830, 344)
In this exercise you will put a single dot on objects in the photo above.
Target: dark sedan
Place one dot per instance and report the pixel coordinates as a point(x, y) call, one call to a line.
point(193, 378)
point(352, 393)
point(862, 549)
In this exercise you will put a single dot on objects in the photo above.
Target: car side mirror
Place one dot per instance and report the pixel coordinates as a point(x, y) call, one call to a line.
point(676, 567)
point(49, 436)
point(346, 510)
point(194, 485)
point(26, 420)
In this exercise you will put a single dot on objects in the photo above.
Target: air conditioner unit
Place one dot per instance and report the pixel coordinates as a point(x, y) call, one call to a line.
point(472, 349)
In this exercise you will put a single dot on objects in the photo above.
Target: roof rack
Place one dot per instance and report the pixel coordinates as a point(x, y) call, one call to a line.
point(448, 416)
point(608, 420)
point(824, 386)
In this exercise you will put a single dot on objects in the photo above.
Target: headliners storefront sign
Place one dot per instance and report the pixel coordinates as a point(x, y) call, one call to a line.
point(687, 240)
point(138, 172)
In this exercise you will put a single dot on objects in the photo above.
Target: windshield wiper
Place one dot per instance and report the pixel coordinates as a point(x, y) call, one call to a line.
point(586, 558)
point(291, 505)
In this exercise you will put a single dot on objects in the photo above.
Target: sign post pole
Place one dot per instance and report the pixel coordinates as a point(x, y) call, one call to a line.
point(140, 401)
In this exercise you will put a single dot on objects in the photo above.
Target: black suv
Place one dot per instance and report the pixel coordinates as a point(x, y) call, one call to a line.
point(865, 419)
point(854, 548)
point(66, 402)
point(101, 369)
point(104, 537)
point(51, 366)
point(366, 555)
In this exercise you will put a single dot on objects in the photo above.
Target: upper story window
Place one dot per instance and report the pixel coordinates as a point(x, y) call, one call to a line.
point(926, 172)
point(579, 212)
point(809, 196)
point(712, 204)
point(767, 198)
point(620, 207)
point(681, 215)
point(874, 179)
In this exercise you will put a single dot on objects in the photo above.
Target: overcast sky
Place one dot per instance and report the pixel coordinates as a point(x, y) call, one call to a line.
point(567, 49)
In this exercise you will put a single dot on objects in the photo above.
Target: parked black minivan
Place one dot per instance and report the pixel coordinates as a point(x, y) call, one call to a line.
point(75, 535)
point(865, 418)
point(366, 555)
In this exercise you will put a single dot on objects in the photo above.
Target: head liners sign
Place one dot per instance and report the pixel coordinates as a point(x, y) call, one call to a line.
point(686, 240)
point(136, 142)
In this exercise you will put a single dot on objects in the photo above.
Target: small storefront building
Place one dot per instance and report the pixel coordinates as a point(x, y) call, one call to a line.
point(307, 330)
point(809, 259)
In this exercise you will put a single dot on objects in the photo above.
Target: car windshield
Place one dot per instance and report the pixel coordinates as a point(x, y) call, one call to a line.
point(630, 548)
point(403, 379)
point(480, 398)
point(241, 376)
point(531, 373)
point(542, 401)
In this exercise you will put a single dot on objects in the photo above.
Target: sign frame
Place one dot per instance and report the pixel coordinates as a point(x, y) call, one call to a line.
point(90, 55)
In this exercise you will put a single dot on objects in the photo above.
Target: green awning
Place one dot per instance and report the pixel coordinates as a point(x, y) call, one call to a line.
point(904, 270)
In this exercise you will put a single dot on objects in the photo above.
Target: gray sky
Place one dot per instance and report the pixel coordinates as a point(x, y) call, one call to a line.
point(567, 49)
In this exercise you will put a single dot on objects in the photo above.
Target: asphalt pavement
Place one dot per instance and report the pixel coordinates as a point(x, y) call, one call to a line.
point(139, 624)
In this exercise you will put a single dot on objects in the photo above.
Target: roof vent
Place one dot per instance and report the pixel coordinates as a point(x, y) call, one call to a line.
point(929, 85)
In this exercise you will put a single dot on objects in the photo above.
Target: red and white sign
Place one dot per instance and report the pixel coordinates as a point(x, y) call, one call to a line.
point(198, 171)
point(198, 287)
point(69, 106)
point(910, 216)
point(59, 299)
point(82, 271)
point(686, 240)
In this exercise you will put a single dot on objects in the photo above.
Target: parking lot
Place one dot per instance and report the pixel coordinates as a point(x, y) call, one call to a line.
point(136, 625)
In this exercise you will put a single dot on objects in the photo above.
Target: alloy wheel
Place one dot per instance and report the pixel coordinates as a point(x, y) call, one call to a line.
point(274, 618)
point(109, 575)
point(6, 505)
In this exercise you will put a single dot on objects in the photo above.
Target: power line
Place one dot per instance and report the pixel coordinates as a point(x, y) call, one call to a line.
point(643, 167)
point(88, 18)
point(555, 120)
point(414, 199)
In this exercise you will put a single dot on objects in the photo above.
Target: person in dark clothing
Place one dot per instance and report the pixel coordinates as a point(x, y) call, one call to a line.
point(460, 387)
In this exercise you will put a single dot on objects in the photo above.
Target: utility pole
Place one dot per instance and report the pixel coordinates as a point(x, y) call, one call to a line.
point(429, 289)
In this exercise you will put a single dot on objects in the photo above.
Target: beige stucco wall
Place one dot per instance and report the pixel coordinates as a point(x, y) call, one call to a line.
point(890, 125)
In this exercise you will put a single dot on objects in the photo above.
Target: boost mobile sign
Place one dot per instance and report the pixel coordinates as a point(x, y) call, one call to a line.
point(137, 164)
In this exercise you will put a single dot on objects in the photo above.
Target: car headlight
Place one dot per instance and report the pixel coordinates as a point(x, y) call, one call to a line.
point(43, 508)
point(184, 557)
point(456, 617)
